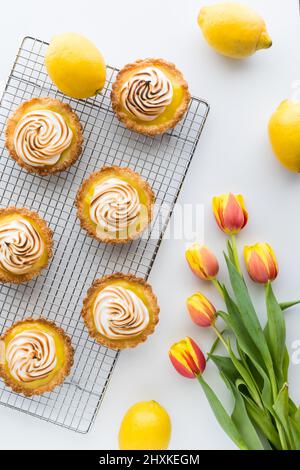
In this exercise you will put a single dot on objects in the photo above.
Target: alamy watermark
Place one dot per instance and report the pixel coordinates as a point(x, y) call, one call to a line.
point(295, 357)
point(186, 223)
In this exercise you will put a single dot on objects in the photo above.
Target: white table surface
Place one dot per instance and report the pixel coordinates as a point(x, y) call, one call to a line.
point(233, 155)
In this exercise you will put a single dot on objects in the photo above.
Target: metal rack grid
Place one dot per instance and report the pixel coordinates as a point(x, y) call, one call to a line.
point(57, 294)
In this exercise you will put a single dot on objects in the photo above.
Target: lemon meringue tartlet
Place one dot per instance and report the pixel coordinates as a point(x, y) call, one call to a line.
point(25, 244)
point(35, 356)
point(150, 96)
point(114, 205)
point(120, 311)
point(44, 136)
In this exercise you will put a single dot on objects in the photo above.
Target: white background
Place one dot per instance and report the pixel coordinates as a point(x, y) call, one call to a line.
point(233, 155)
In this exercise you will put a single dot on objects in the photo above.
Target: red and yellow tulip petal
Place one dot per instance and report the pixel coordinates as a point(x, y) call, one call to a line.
point(261, 262)
point(201, 310)
point(209, 262)
point(202, 261)
point(187, 358)
point(257, 269)
point(182, 369)
point(240, 198)
point(233, 214)
point(216, 203)
point(230, 212)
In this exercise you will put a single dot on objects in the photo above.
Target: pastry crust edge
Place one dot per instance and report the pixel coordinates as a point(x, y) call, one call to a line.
point(87, 224)
point(122, 343)
point(59, 166)
point(57, 379)
point(47, 235)
point(129, 122)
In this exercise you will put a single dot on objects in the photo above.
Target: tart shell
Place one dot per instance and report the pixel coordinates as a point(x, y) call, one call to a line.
point(57, 379)
point(124, 342)
point(131, 123)
point(65, 110)
point(46, 234)
point(88, 225)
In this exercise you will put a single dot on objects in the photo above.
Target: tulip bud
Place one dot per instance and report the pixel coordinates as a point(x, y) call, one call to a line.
point(230, 213)
point(202, 261)
point(261, 262)
point(201, 310)
point(187, 358)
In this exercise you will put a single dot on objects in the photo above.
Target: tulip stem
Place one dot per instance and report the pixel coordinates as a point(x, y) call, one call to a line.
point(219, 335)
point(235, 252)
point(218, 286)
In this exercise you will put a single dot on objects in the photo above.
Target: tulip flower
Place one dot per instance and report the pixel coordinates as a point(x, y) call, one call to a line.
point(201, 310)
point(187, 358)
point(230, 213)
point(261, 262)
point(202, 261)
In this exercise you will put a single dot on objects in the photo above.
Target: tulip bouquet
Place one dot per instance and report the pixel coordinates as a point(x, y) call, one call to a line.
point(256, 360)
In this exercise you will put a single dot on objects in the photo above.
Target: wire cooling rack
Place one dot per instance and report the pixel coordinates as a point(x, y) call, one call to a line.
point(57, 294)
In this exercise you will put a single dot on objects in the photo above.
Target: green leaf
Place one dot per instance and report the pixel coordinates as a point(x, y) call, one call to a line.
point(293, 409)
point(231, 378)
point(275, 330)
point(225, 365)
point(297, 415)
point(246, 376)
point(281, 408)
point(246, 343)
point(241, 419)
point(227, 370)
point(253, 372)
point(234, 323)
point(222, 416)
point(286, 305)
point(248, 314)
point(263, 421)
point(266, 392)
point(285, 364)
point(295, 431)
point(264, 384)
point(257, 376)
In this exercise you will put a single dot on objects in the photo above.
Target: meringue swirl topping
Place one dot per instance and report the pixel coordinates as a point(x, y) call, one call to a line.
point(20, 246)
point(31, 355)
point(119, 313)
point(115, 205)
point(40, 137)
point(147, 93)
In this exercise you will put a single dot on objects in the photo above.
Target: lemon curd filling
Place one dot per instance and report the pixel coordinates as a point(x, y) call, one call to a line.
point(119, 313)
point(44, 135)
point(33, 349)
point(150, 96)
point(41, 136)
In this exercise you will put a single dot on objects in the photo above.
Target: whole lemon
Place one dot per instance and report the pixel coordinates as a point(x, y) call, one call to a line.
point(284, 133)
point(233, 30)
point(75, 65)
point(145, 426)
